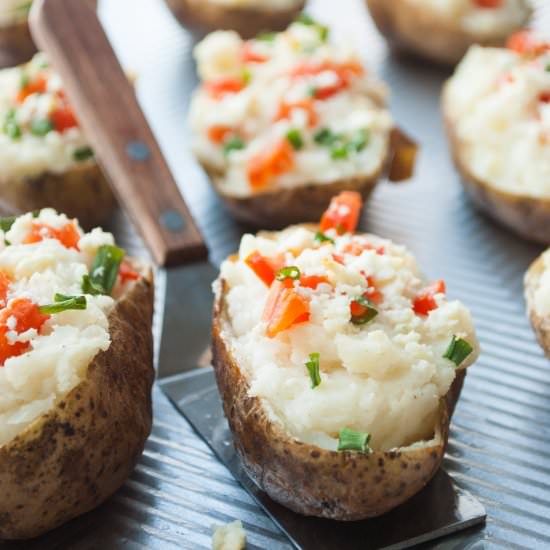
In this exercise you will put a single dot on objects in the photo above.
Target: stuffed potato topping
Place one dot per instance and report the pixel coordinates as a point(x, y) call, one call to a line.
point(283, 122)
point(338, 365)
point(442, 30)
point(75, 370)
point(44, 157)
point(16, 44)
point(497, 113)
point(247, 17)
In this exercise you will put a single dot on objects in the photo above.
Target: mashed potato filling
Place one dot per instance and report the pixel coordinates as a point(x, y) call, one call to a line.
point(499, 17)
point(38, 129)
point(385, 376)
point(41, 365)
point(286, 109)
point(13, 11)
point(499, 103)
point(542, 292)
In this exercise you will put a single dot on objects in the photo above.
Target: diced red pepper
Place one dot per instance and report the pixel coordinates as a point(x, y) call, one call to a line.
point(223, 86)
point(284, 308)
point(27, 316)
point(488, 3)
point(526, 42)
point(269, 164)
point(339, 259)
point(218, 134)
point(357, 248)
point(425, 301)
point(373, 293)
point(5, 282)
point(312, 281)
point(126, 273)
point(343, 213)
point(68, 235)
point(544, 97)
point(307, 105)
point(265, 268)
point(248, 55)
point(38, 85)
point(63, 118)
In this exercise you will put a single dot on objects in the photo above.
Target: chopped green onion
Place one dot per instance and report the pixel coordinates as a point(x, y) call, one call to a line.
point(548, 68)
point(290, 272)
point(234, 143)
point(312, 91)
point(64, 303)
point(324, 32)
point(360, 140)
point(41, 126)
point(322, 238)
point(325, 137)
point(339, 153)
point(104, 271)
point(83, 153)
point(458, 350)
point(25, 79)
point(246, 76)
point(10, 127)
point(6, 223)
point(368, 314)
point(305, 19)
point(266, 36)
point(313, 368)
point(295, 139)
point(350, 440)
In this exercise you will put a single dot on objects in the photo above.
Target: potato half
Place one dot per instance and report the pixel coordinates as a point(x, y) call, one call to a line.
point(527, 216)
point(203, 16)
point(82, 192)
point(412, 27)
point(16, 44)
point(306, 478)
point(70, 460)
point(540, 323)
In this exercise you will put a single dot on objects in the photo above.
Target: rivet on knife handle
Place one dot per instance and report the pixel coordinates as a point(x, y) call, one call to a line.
point(71, 35)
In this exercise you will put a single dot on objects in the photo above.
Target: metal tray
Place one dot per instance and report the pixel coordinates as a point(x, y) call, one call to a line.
point(499, 448)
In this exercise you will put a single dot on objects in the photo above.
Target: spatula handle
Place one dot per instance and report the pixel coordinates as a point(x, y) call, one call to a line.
point(72, 36)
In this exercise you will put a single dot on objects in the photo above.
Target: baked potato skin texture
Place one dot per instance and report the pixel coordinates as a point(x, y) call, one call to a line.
point(540, 324)
point(203, 16)
point(415, 29)
point(83, 192)
point(16, 44)
point(528, 217)
point(70, 460)
point(343, 486)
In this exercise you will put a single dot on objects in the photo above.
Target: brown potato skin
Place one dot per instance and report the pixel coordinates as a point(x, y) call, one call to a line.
point(312, 481)
point(418, 30)
point(83, 192)
point(202, 16)
point(70, 460)
point(16, 44)
point(529, 217)
point(541, 325)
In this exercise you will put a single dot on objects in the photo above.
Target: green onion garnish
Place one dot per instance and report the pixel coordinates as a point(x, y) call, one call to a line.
point(312, 91)
point(339, 153)
point(83, 153)
point(24, 81)
point(41, 126)
point(6, 223)
point(359, 140)
point(324, 32)
point(295, 139)
point(322, 238)
point(10, 126)
point(246, 76)
point(458, 350)
point(325, 137)
point(548, 68)
point(350, 440)
point(364, 311)
point(266, 36)
point(64, 303)
point(104, 271)
point(234, 143)
point(290, 272)
point(313, 368)
point(305, 19)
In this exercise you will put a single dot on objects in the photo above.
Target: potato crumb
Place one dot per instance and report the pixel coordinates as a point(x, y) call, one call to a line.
point(229, 537)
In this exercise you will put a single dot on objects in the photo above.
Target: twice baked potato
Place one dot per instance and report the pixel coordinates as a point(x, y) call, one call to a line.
point(16, 43)
point(496, 109)
point(338, 367)
point(284, 122)
point(75, 370)
point(247, 17)
point(45, 159)
point(537, 297)
point(442, 31)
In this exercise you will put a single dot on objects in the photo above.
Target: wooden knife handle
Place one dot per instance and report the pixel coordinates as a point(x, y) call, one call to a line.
point(72, 36)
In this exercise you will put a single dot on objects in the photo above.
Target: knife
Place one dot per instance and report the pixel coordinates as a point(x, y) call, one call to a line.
point(70, 33)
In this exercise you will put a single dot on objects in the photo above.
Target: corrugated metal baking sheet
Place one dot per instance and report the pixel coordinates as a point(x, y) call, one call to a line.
point(500, 439)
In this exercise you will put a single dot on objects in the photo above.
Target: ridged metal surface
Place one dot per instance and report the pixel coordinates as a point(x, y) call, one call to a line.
point(499, 447)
